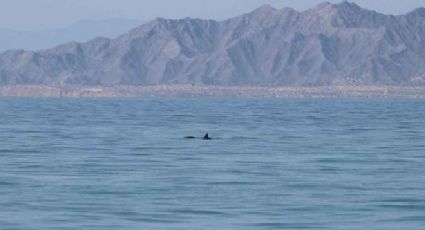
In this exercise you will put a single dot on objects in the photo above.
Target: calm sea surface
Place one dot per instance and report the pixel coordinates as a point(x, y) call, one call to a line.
point(274, 164)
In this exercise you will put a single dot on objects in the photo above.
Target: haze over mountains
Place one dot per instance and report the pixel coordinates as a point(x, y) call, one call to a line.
point(330, 44)
point(81, 31)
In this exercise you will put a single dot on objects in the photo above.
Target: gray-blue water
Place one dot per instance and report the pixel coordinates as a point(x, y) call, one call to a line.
point(275, 164)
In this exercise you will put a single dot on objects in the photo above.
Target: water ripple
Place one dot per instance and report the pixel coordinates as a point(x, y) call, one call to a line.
point(274, 164)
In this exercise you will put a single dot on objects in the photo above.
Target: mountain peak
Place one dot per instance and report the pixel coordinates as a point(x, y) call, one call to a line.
point(347, 14)
point(419, 11)
point(329, 44)
point(347, 6)
point(344, 5)
point(322, 6)
point(266, 8)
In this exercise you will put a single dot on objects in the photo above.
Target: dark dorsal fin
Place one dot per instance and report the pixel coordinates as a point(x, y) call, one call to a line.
point(206, 136)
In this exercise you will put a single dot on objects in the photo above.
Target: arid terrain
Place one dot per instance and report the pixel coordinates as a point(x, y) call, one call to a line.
point(328, 45)
point(189, 90)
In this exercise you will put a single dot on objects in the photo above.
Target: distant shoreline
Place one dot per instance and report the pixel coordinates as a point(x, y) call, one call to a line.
point(219, 91)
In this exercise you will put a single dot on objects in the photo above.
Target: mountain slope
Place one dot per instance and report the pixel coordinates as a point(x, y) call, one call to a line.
point(331, 44)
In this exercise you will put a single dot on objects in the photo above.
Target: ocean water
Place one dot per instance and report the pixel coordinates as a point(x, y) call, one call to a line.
point(273, 164)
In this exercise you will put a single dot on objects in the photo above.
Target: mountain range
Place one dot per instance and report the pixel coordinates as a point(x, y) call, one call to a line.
point(330, 44)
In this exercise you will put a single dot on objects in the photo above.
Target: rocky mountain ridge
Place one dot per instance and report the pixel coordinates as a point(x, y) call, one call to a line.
point(330, 44)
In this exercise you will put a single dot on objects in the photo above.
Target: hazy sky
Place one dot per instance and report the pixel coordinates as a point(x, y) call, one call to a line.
point(40, 14)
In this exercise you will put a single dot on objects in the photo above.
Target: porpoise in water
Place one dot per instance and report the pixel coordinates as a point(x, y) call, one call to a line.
point(206, 137)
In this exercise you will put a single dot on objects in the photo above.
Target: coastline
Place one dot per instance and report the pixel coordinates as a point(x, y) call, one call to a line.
point(219, 91)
